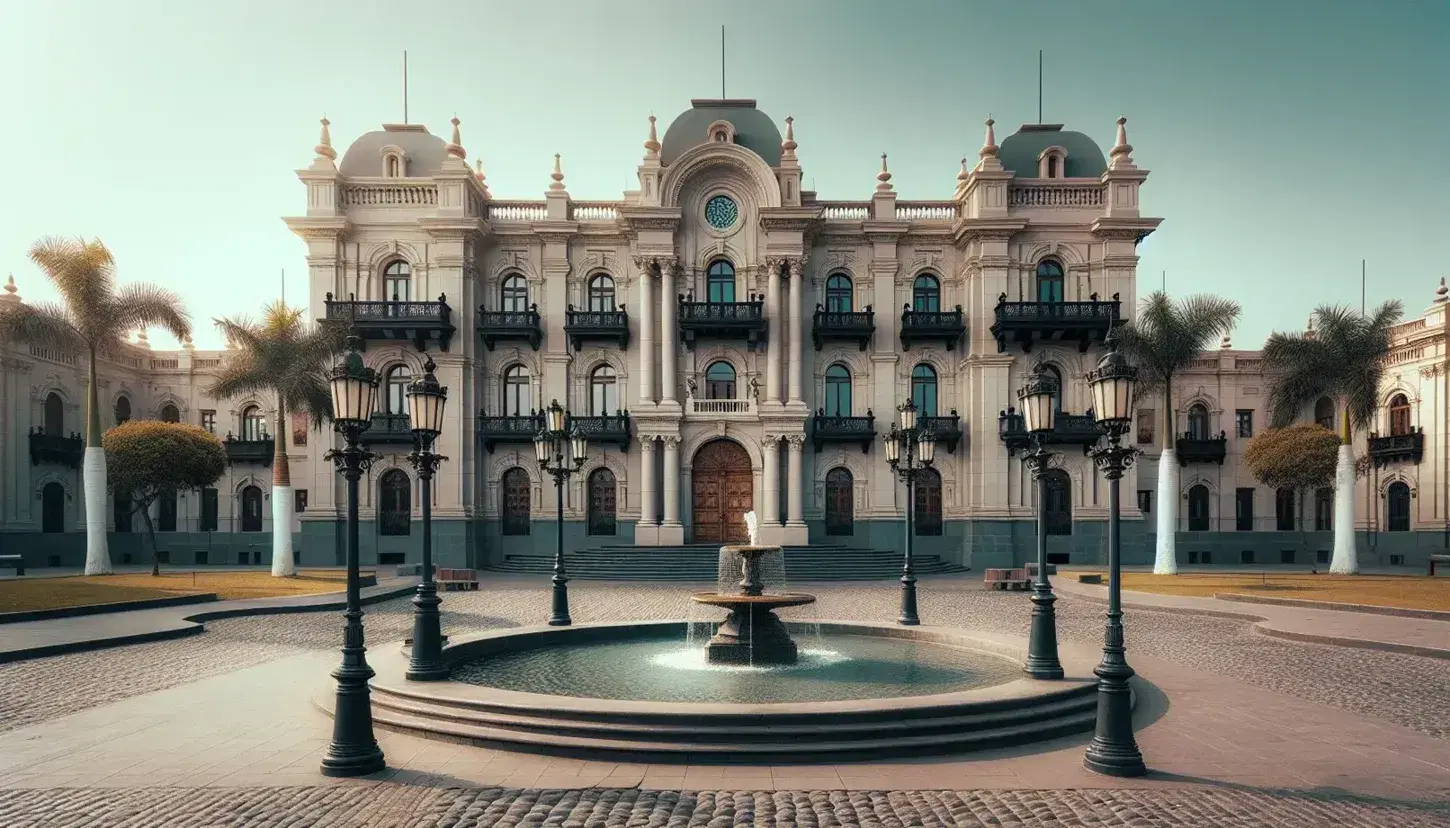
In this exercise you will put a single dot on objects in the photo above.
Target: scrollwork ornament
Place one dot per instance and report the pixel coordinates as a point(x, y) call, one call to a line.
point(796, 441)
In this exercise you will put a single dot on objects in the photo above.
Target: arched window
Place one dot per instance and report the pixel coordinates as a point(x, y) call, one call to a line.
point(395, 503)
point(515, 485)
point(840, 510)
point(54, 415)
point(923, 390)
point(518, 398)
point(1324, 412)
point(252, 423)
point(601, 293)
point(1061, 388)
point(720, 282)
point(603, 391)
point(123, 410)
point(1052, 171)
point(1399, 415)
point(1397, 505)
point(397, 282)
point(395, 390)
point(1058, 503)
point(169, 414)
point(926, 294)
point(720, 381)
point(927, 516)
point(602, 510)
point(1049, 281)
point(251, 509)
point(1198, 508)
point(1198, 422)
point(166, 512)
point(392, 166)
point(1324, 509)
point(839, 293)
point(514, 294)
point(1284, 510)
point(838, 391)
point(52, 508)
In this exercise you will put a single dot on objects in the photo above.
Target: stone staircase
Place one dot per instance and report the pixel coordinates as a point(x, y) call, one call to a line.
point(698, 562)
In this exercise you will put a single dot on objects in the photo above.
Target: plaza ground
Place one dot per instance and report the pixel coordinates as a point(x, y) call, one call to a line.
point(1418, 592)
point(28, 594)
point(1240, 729)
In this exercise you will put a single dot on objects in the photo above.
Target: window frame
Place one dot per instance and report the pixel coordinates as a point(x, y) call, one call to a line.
point(720, 274)
point(926, 293)
point(837, 383)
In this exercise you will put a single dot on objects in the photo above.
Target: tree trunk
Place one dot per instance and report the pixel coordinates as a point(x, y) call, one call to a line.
point(93, 480)
point(1346, 556)
point(1165, 562)
point(145, 510)
point(282, 506)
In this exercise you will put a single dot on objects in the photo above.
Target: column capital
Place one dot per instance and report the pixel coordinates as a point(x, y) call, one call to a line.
point(797, 441)
point(797, 266)
point(646, 441)
point(647, 265)
point(672, 266)
point(671, 441)
point(773, 264)
point(771, 442)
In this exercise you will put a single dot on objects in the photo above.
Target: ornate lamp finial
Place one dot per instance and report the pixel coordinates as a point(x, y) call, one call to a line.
point(324, 143)
point(884, 177)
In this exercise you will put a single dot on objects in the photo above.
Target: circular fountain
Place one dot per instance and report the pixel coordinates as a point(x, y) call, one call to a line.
point(753, 634)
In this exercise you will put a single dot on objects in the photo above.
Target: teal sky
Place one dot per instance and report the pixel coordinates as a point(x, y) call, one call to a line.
point(1288, 139)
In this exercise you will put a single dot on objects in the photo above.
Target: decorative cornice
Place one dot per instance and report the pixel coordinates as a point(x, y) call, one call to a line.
point(994, 229)
point(1124, 229)
point(318, 228)
point(635, 219)
point(440, 229)
point(799, 219)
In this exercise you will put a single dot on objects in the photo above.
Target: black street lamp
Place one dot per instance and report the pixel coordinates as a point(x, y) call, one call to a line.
point(1038, 399)
point(353, 750)
point(560, 454)
point(1113, 751)
point(426, 400)
point(920, 446)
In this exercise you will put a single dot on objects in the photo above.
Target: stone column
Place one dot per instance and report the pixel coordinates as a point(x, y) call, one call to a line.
point(795, 493)
point(671, 530)
point(797, 323)
point(669, 337)
point(773, 328)
point(647, 532)
point(646, 332)
point(770, 509)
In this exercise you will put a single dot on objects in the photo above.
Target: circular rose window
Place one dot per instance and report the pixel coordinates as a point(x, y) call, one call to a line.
point(721, 212)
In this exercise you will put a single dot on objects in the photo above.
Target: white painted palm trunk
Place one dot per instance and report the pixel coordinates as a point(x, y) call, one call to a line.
point(1166, 560)
point(1346, 558)
point(282, 565)
point(93, 484)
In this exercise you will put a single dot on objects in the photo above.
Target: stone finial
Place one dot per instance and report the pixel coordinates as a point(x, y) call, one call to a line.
point(965, 173)
point(141, 339)
point(1226, 343)
point(1441, 292)
point(883, 177)
point(324, 143)
point(788, 145)
point(652, 143)
point(455, 144)
point(989, 143)
point(478, 174)
point(557, 175)
point(1121, 154)
point(187, 343)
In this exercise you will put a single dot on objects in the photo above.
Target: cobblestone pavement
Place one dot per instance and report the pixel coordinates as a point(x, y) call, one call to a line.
point(386, 806)
point(1403, 689)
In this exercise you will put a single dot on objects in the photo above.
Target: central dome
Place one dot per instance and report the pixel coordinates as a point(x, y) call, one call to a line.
point(753, 129)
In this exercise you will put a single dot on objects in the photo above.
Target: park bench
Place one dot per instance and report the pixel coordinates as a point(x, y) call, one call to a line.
point(1434, 559)
point(451, 579)
point(1031, 568)
point(18, 562)
point(1006, 579)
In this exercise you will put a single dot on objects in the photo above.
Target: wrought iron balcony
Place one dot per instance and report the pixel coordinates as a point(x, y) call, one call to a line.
point(1067, 430)
point(250, 451)
point(508, 428)
point(511, 326)
point(54, 448)
point(848, 326)
point(583, 325)
point(1029, 322)
point(840, 429)
point(722, 320)
point(946, 327)
point(420, 322)
point(604, 428)
point(1397, 447)
point(948, 429)
point(390, 430)
point(1201, 449)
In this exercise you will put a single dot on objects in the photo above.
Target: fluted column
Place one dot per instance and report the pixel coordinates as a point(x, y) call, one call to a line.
point(795, 493)
point(672, 481)
point(773, 329)
point(770, 510)
point(669, 337)
point(797, 323)
point(646, 332)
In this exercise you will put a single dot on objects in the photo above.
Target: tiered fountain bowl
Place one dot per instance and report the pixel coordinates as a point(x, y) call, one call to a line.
point(753, 634)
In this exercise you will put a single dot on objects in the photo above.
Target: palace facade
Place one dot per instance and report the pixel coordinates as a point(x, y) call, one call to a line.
point(726, 340)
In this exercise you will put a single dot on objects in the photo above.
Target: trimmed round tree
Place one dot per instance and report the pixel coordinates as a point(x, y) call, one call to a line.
point(149, 458)
point(1301, 458)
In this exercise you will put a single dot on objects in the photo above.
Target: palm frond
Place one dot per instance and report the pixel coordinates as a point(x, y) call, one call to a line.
point(43, 324)
point(83, 272)
point(147, 306)
point(240, 332)
point(239, 376)
point(1300, 369)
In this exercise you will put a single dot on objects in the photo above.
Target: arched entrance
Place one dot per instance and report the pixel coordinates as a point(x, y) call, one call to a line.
point(601, 502)
point(251, 509)
point(52, 508)
point(724, 490)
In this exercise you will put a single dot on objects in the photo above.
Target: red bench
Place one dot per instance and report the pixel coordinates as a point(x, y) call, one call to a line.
point(1006, 579)
point(451, 579)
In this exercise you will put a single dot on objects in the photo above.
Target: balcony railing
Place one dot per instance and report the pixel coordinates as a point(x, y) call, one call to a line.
point(1193, 449)
point(841, 429)
point(583, 325)
point(718, 410)
point(1397, 447)
point(506, 326)
point(1029, 322)
point(1067, 430)
point(946, 327)
point(723, 320)
point(948, 429)
point(391, 430)
point(849, 326)
point(604, 428)
point(508, 428)
point(419, 322)
point(250, 451)
point(54, 448)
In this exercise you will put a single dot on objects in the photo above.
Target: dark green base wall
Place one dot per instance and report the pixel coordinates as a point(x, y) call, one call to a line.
point(1376, 549)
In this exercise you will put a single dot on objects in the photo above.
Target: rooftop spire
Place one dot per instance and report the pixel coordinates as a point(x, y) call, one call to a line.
point(324, 143)
point(10, 296)
point(478, 174)
point(1226, 343)
point(557, 175)
point(989, 144)
point(884, 177)
point(1441, 292)
point(1121, 155)
point(965, 173)
point(455, 145)
point(652, 143)
point(788, 145)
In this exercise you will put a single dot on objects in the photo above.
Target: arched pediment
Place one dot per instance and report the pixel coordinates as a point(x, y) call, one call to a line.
point(734, 158)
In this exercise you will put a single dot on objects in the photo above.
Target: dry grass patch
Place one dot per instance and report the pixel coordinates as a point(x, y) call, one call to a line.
point(28, 594)
point(1404, 591)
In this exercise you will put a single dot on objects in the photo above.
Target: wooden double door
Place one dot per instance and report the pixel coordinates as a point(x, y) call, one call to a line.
point(723, 490)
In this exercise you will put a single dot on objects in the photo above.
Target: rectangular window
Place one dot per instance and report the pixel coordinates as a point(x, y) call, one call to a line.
point(1244, 509)
point(1322, 556)
point(1145, 426)
point(1246, 556)
point(1145, 500)
point(208, 421)
point(299, 500)
point(208, 511)
point(1284, 510)
point(166, 512)
point(1244, 422)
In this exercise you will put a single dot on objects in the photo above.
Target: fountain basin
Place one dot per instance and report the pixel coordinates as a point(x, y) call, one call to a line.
point(752, 634)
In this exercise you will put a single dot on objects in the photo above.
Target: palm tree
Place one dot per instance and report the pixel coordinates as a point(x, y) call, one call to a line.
point(281, 358)
point(94, 316)
point(1164, 339)
point(1342, 357)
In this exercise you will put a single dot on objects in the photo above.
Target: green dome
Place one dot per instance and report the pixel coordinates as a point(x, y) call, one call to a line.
point(1019, 151)
point(753, 129)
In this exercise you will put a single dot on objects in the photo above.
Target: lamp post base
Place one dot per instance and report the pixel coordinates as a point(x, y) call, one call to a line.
point(908, 617)
point(353, 750)
point(1113, 750)
point(1042, 660)
point(559, 617)
point(426, 658)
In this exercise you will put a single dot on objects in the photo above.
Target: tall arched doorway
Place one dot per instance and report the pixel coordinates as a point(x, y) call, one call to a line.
point(601, 502)
point(724, 490)
point(840, 510)
point(251, 509)
point(52, 508)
